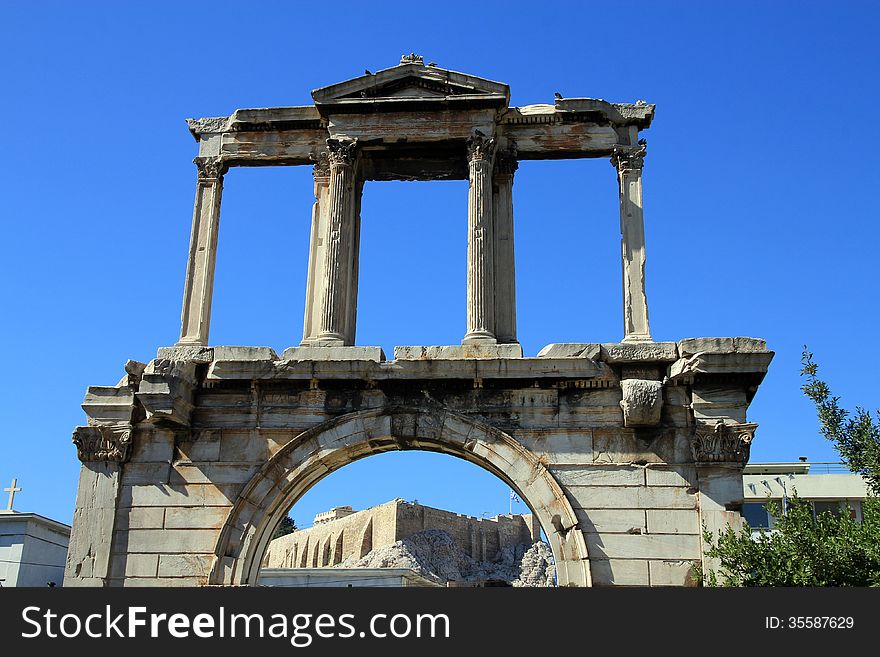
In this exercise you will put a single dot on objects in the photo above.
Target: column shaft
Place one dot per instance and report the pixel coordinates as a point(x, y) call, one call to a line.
point(505, 274)
point(199, 287)
point(629, 162)
point(340, 241)
point(354, 264)
point(480, 274)
point(317, 251)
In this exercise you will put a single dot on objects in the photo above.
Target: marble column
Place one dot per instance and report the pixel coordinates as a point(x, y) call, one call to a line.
point(505, 277)
point(354, 263)
point(199, 288)
point(480, 272)
point(629, 162)
point(340, 241)
point(317, 249)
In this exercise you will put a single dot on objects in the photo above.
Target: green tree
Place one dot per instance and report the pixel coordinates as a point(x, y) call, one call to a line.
point(285, 527)
point(856, 438)
point(830, 549)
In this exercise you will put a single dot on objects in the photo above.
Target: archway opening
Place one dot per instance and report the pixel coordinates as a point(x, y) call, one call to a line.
point(316, 453)
point(409, 518)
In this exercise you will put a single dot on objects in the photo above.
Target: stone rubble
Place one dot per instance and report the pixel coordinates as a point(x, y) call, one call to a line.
point(434, 554)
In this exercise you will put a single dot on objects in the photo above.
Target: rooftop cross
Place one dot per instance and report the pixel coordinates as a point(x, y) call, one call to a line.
point(12, 490)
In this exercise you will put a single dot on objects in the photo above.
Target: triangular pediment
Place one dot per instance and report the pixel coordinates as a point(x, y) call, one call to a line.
point(411, 82)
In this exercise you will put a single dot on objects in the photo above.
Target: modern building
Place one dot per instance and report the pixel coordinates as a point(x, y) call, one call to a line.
point(826, 486)
point(33, 549)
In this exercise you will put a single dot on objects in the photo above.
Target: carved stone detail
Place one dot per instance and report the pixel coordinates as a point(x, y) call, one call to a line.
point(480, 147)
point(628, 158)
point(210, 168)
point(642, 402)
point(166, 391)
point(342, 151)
point(209, 124)
point(321, 168)
point(412, 58)
point(506, 162)
point(103, 443)
point(723, 443)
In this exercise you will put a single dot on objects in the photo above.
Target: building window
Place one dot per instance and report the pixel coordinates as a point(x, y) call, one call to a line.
point(755, 514)
point(852, 508)
point(833, 507)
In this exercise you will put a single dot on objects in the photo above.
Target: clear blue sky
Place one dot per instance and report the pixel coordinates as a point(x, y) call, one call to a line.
point(760, 208)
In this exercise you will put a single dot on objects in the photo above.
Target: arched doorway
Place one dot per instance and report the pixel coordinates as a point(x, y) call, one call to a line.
point(323, 449)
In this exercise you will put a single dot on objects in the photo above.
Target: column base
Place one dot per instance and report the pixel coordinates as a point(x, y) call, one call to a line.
point(328, 340)
point(638, 337)
point(191, 342)
point(479, 337)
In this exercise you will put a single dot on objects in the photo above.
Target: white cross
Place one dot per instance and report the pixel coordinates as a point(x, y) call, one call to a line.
point(12, 490)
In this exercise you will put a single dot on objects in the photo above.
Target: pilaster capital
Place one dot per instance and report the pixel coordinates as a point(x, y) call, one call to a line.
point(103, 443)
point(210, 168)
point(629, 158)
point(321, 168)
point(721, 443)
point(506, 162)
point(480, 147)
point(341, 151)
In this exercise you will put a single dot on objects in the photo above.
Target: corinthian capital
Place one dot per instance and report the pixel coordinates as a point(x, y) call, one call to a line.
point(506, 162)
point(321, 167)
point(628, 158)
point(722, 443)
point(103, 443)
point(210, 168)
point(342, 151)
point(480, 147)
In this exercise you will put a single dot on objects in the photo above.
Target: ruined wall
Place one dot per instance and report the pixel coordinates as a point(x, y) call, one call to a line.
point(480, 538)
point(329, 543)
point(184, 445)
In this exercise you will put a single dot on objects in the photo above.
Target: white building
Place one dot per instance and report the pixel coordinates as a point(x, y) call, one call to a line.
point(826, 486)
point(33, 549)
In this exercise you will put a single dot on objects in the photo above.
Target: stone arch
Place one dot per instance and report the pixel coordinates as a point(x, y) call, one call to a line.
point(315, 453)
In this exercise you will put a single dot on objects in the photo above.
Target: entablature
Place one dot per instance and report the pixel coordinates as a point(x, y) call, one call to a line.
point(426, 112)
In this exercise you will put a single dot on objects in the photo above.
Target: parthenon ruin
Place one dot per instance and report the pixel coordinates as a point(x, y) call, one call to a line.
point(622, 451)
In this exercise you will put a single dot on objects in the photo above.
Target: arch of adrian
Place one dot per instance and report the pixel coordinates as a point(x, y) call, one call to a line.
point(623, 451)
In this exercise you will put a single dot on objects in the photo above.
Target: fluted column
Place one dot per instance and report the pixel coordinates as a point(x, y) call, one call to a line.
point(317, 248)
point(340, 241)
point(629, 162)
point(480, 273)
point(199, 287)
point(505, 276)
